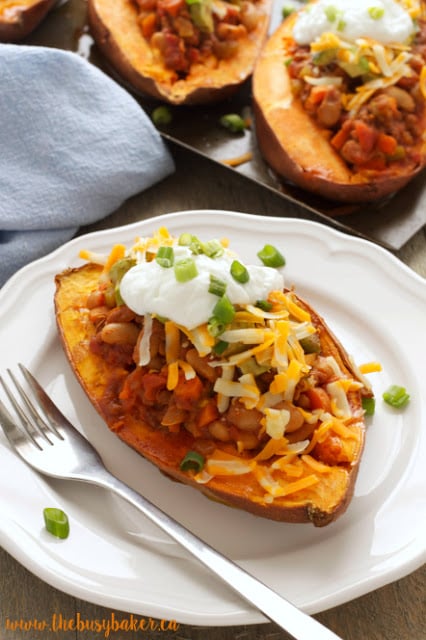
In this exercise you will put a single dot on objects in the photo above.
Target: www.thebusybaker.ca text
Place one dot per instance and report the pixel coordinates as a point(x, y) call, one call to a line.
point(106, 626)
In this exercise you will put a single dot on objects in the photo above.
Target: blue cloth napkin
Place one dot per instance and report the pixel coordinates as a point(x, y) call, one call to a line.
point(74, 145)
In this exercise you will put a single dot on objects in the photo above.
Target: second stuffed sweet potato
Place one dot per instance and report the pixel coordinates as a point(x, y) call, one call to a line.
point(181, 51)
point(343, 116)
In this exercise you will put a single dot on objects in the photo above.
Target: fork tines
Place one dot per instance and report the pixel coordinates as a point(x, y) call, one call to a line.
point(29, 412)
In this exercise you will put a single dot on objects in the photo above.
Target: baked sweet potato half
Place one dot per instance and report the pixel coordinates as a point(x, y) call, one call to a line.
point(18, 18)
point(259, 407)
point(181, 51)
point(343, 118)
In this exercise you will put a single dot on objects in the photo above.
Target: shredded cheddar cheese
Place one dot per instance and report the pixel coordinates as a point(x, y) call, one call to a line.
point(117, 253)
point(386, 63)
point(238, 160)
point(370, 367)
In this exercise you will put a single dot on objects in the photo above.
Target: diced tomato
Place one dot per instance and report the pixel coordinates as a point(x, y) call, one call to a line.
point(387, 144)
point(367, 136)
point(341, 136)
point(319, 398)
point(172, 7)
point(174, 52)
point(148, 24)
point(232, 12)
point(188, 392)
point(207, 413)
point(317, 95)
point(314, 99)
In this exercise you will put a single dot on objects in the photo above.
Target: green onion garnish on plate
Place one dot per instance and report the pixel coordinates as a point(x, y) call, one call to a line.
point(56, 522)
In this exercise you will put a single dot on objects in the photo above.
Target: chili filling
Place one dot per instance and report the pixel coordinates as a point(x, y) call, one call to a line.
point(190, 404)
point(188, 32)
point(270, 395)
point(374, 122)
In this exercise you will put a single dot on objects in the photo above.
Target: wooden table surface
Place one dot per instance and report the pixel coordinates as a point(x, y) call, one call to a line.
point(394, 612)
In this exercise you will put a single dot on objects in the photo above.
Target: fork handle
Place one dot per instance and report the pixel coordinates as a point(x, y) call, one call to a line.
point(298, 624)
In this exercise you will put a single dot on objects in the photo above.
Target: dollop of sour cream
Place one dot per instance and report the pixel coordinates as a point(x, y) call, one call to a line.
point(383, 20)
point(148, 288)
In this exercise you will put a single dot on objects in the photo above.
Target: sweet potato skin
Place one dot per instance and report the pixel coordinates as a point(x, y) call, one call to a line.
point(165, 449)
point(21, 18)
point(114, 26)
point(295, 146)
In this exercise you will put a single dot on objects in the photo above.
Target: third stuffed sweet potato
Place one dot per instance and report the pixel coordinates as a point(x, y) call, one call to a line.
point(340, 109)
point(20, 18)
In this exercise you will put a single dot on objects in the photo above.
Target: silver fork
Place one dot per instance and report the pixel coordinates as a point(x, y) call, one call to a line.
point(50, 444)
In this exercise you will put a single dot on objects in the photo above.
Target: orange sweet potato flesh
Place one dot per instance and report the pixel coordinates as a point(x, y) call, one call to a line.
point(295, 146)
point(320, 504)
point(19, 18)
point(118, 35)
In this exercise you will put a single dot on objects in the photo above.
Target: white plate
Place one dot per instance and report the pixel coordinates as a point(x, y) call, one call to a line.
point(115, 558)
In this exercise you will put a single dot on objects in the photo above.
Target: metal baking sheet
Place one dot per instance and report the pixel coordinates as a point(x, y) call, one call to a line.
point(390, 223)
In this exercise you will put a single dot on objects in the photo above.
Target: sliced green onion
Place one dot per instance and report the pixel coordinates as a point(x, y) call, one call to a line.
point(165, 257)
point(191, 241)
point(369, 406)
point(162, 115)
point(192, 461)
point(239, 272)
point(330, 13)
point(264, 305)
point(196, 246)
point(324, 57)
point(56, 522)
point(233, 122)
point(396, 396)
point(311, 344)
point(287, 10)
point(376, 13)
point(341, 25)
point(217, 286)
point(212, 248)
point(220, 347)
point(185, 239)
point(224, 310)
point(271, 257)
point(185, 270)
point(364, 64)
point(215, 327)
